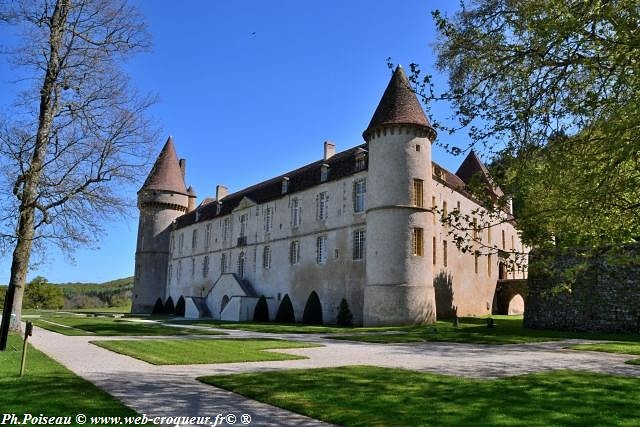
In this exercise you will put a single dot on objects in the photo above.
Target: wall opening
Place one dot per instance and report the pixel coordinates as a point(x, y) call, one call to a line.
point(224, 302)
point(516, 305)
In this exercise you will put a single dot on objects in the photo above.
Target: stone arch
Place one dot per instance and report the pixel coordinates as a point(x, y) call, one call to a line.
point(516, 305)
point(223, 302)
point(506, 290)
point(180, 306)
point(313, 310)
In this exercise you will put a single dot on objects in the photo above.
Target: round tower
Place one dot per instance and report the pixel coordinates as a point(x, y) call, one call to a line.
point(399, 287)
point(162, 198)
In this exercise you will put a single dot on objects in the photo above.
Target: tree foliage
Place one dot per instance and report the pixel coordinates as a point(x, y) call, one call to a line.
point(312, 314)
point(345, 317)
point(261, 312)
point(77, 134)
point(41, 295)
point(557, 74)
point(285, 312)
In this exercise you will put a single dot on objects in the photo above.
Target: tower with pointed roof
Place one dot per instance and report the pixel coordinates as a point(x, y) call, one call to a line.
point(162, 198)
point(399, 283)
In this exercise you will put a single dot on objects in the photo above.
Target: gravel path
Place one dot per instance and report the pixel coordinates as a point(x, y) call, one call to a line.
point(170, 390)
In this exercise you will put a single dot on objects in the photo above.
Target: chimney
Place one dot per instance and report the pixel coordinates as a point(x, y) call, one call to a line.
point(183, 166)
point(192, 199)
point(221, 192)
point(329, 149)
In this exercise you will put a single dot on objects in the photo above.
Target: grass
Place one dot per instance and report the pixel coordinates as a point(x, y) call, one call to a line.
point(82, 325)
point(613, 347)
point(49, 388)
point(186, 352)
point(282, 328)
point(507, 330)
point(372, 396)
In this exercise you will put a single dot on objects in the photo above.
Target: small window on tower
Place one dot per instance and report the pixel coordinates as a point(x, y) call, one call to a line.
point(418, 147)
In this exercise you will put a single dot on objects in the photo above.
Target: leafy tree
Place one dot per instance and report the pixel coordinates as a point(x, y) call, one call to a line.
point(76, 134)
point(261, 312)
point(285, 312)
point(42, 295)
point(180, 307)
point(312, 314)
point(561, 75)
point(158, 307)
point(345, 317)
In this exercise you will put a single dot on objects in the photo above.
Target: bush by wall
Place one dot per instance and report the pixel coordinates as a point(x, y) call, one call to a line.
point(285, 311)
point(312, 310)
point(261, 312)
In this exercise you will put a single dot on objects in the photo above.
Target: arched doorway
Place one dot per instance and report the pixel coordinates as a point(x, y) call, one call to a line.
point(516, 305)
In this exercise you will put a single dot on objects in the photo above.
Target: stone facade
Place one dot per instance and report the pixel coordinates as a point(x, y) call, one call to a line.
point(359, 225)
point(597, 291)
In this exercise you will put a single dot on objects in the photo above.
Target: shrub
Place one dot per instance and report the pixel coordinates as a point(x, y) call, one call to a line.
point(312, 310)
point(345, 317)
point(180, 307)
point(158, 308)
point(285, 311)
point(169, 308)
point(261, 312)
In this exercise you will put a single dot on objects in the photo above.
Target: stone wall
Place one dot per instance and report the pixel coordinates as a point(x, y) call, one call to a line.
point(595, 290)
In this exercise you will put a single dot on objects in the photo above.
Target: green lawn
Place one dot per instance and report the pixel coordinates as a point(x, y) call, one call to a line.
point(371, 396)
point(282, 328)
point(613, 347)
point(49, 388)
point(507, 330)
point(81, 325)
point(186, 352)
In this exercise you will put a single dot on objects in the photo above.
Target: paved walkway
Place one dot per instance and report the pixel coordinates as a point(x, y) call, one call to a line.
point(170, 390)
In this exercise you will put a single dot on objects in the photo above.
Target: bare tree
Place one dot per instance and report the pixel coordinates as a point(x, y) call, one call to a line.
point(76, 135)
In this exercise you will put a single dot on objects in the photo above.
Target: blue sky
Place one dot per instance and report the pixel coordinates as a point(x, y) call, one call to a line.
point(251, 89)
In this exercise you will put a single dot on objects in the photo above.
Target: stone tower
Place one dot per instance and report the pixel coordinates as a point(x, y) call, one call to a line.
point(399, 284)
point(162, 198)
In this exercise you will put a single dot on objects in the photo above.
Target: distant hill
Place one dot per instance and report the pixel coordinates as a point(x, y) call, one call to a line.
point(114, 293)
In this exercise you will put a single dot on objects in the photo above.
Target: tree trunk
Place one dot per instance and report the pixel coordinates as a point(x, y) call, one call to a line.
point(31, 179)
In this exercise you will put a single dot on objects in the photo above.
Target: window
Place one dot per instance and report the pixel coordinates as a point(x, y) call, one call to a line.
point(444, 253)
point(179, 273)
point(433, 207)
point(417, 241)
point(321, 249)
point(504, 240)
point(359, 192)
point(244, 219)
point(241, 261)
point(266, 257)
point(434, 250)
point(170, 273)
point(268, 219)
point(513, 246)
point(418, 193)
point(194, 240)
point(223, 264)
point(294, 252)
point(226, 228)
point(321, 206)
point(358, 244)
point(193, 268)
point(205, 266)
point(475, 228)
point(295, 212)
point(489, 234)
point(207, 236)
point(458, 207)
point(444, 211)
point(418, 147)
point(285, 185)
point(360, 163)
point(180, 243)
point(324, 172)
point(173, 243)
point(476, 255)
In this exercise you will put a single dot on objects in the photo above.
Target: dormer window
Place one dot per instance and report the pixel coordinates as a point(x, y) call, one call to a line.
point(360, 159)
point(324, 172)
point(285, 185)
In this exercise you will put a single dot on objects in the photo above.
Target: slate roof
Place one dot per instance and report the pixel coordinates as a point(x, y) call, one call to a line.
point(165, 174)
point(341, 165)
point(473, 166)
point(398, 105)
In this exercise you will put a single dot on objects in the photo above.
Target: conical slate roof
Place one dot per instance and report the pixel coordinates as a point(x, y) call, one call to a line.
point(399, 105)
point(165, 174)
